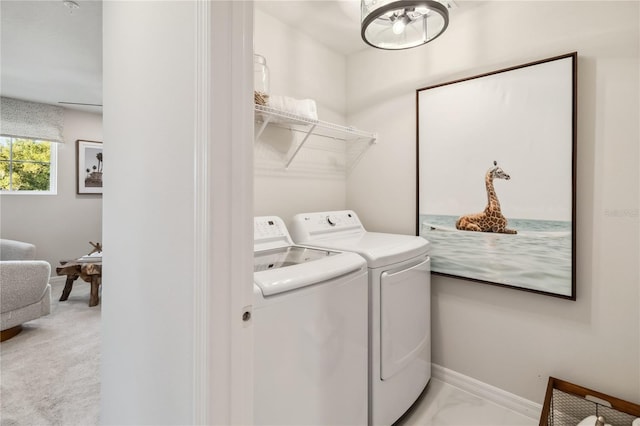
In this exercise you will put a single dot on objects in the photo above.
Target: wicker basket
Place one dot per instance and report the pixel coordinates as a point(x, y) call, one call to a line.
point(566, 404)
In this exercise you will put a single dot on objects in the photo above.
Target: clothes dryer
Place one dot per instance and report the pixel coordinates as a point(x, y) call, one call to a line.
point(399, 306)
point(310, 332)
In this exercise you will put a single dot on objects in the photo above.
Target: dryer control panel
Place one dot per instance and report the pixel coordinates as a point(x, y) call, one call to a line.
point(310, 226)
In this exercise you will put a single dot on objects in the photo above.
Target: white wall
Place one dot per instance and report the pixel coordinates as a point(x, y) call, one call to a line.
point(147, 293)
point(512, 339)
point(300, 68)
point(61, 225)
point(177, 275)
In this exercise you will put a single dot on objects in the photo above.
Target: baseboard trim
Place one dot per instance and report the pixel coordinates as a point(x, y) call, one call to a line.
point(486, 391)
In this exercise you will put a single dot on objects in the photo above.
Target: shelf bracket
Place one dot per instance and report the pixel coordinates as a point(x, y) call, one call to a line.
point(355, 161)
point(264, 126)
point(300, 146)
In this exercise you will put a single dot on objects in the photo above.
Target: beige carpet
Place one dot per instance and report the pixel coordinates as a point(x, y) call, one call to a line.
point(50, 373)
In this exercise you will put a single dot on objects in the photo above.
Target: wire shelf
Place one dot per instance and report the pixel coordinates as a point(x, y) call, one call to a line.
point(266, 116)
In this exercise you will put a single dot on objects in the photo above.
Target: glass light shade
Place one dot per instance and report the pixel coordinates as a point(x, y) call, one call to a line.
point(402, 24)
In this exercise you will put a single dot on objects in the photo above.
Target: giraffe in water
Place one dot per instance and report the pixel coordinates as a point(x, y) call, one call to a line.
point(491, 219)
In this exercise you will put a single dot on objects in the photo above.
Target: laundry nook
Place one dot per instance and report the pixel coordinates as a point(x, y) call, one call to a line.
point(320, 213)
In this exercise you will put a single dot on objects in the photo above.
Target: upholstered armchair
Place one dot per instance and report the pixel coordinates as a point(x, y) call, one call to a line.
point(25, 292)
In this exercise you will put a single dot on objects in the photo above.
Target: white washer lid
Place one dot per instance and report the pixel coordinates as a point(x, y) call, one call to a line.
point(286, 278)
point(378, 249)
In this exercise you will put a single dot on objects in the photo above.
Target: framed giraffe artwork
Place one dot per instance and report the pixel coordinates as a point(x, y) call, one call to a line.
point(496, 176)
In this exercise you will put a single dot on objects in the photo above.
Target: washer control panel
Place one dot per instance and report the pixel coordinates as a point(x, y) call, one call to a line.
point(270, 230)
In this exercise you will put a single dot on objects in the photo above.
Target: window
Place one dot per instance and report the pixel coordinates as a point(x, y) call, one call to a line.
point(27, 166)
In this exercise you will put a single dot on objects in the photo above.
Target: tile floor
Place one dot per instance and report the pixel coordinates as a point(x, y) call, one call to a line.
point(446, 405)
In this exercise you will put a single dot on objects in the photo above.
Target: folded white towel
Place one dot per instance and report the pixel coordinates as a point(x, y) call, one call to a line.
point(303, 107)
point(590, 421)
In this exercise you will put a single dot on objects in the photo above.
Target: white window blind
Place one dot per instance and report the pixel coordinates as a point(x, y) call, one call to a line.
point(31, 120)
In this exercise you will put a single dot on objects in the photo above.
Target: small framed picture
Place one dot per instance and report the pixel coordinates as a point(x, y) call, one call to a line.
point(89, 167)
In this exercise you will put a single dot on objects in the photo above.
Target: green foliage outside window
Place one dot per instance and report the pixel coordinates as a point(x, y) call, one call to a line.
point(25, 165)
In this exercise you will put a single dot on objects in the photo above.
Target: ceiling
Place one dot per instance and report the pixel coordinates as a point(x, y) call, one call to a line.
point(336, 24)
point(52, 53)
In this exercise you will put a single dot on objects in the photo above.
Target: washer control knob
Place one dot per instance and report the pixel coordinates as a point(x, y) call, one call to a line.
point(331, 220)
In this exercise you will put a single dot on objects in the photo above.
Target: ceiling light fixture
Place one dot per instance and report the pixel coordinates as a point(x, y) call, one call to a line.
point(71, 5)
point(402, 24)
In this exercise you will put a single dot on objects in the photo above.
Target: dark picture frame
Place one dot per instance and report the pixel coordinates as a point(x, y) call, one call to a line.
point(496, 176)
point(88, 167)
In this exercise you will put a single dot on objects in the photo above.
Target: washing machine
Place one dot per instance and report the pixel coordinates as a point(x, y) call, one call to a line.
point(310, 332)
point(399, 305)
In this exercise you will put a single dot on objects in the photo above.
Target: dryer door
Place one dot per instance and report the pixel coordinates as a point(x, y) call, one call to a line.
point(405, 316)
